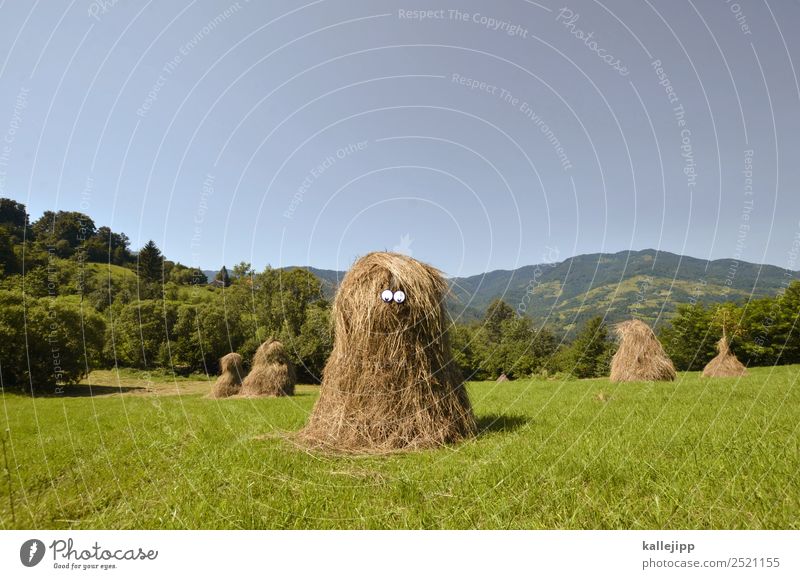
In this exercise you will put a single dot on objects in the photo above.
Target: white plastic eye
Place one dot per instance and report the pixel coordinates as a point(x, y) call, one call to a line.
point(386, 296)
point(399, 296)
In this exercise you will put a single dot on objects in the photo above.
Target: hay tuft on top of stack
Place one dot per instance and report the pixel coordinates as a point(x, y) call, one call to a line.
point(230, 378)
point(725, 363)
point(640, 356)
point(390, 383)
point(271, 373)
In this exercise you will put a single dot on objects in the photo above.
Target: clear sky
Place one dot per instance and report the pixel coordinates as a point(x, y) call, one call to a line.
point(478, 136)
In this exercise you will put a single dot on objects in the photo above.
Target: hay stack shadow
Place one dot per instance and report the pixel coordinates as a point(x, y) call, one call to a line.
point(640, 357)
point(230, 378)
point(390, 383)
point(724, 364)
point(271, 374)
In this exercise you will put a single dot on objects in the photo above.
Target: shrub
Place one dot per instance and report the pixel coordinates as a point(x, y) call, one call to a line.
point(48, 341)
point(204, 334)
point(137, 332)
point(589, 355)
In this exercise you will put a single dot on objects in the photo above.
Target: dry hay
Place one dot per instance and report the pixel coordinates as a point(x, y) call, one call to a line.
point(503, 378)
point(640, 356)
point(725, 363)
point(230, 378)
point(271, 373)
point(390, 383)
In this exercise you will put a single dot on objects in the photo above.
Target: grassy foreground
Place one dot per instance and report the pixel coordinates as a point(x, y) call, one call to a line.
point(695, 453)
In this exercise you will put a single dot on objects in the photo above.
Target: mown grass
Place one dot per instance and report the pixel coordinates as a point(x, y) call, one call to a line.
point(695, 453)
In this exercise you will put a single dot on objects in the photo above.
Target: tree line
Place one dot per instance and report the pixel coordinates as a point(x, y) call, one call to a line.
point(87, 301)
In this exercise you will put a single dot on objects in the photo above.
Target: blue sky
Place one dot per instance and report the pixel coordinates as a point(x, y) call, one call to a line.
point(481, 136)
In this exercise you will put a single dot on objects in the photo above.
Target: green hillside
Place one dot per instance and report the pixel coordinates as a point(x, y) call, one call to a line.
point(117, 273)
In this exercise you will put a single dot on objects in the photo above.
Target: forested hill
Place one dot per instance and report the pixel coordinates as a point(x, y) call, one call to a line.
point(652, 282)
point(649, 282)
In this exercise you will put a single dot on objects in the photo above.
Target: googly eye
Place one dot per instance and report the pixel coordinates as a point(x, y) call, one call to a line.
point(387, 295)
point(399, 296)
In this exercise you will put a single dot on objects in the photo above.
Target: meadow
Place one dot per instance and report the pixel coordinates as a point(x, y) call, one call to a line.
point(694, 453)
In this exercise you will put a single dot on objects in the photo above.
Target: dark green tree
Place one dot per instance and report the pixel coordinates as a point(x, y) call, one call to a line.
point(64, 230)
point(590, 353)
point(691, 338)
point(497, 313)
point(108, 247)
point(150, 263)
point(222, 276)
point(13, 361)
point(8, 258)
point(14, 217)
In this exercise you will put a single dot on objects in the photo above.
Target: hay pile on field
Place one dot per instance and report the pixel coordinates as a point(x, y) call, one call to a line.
point(230, 378)
point(271, 373)
point(725, 363)
point(640, 356)
point(390, 383)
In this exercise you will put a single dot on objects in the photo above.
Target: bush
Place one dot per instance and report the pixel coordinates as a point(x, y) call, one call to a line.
point(589, 355)
point(138, 331)
point(467, 352)
point(13, 359)
point(203, 334)
point(61, 341)
point(314, 344)
point(520, 351)
point(770, 330)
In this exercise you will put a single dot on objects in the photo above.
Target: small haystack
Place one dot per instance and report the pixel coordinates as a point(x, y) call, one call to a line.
point(640, 356)
point(502, 378)
point(390, 383)
point(230, 378)
point(272, 372)
point(725, 363)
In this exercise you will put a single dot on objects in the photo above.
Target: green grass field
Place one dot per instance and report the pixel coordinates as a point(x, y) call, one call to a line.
point(695, 453)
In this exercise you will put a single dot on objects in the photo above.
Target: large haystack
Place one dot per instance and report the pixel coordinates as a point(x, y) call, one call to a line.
point(640, 356)
point(390, 383)
point(230, 378)
point(271, 374)
point(725, 363)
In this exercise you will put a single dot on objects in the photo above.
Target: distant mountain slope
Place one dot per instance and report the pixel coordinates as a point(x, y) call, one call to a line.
point(564, 294)
point(649, 282)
